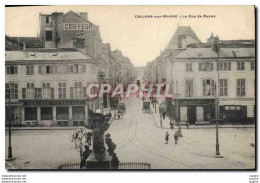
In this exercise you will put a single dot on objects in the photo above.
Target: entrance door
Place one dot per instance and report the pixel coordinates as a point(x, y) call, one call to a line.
point(191, 114)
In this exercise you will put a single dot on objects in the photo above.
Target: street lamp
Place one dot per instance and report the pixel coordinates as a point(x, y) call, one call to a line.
point(217, 154)
point(10, 154)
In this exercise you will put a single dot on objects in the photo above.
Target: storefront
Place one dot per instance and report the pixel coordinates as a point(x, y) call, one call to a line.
point(55, 112)
point(195, 110)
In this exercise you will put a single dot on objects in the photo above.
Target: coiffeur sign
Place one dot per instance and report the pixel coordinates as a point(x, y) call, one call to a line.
point(77, 26)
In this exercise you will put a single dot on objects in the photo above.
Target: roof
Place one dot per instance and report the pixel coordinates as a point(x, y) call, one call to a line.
point(37, 56)
point(223, 53)
point(31, 42)
point(182, 30)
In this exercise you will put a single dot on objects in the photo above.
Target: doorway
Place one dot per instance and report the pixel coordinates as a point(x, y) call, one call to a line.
point(191, 114)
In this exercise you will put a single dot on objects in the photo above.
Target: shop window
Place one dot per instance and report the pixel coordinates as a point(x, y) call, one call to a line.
point(30, 113)
point(232, 108)
point(227, 108)
point(78, 113)
point(62, 113)
point(46, 113)
point(238, 108)
point(48, 35)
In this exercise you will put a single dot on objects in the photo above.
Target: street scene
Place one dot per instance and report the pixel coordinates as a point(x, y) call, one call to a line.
point(139, 139)
point(181, 97)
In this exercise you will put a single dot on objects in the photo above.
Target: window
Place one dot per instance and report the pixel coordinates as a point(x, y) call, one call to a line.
point(49, 69)
point(11, 70)
point(30, 91)
point(224, 66)
point(78, 90)
point(38, 93)
point(46, 113)
point(29, 70)
point(30, 113)
point(48, 35)
point(206, 66)
point(188, 88)
point(252, 65)
point(83, 68)
point(241, 86)
point(48, 19)
point(188, 67)
point(13, 88)
point(62, 90)
point(46, 90)
point(223, 87)
point(240, 66)
point(208, 87)
point(62, 69)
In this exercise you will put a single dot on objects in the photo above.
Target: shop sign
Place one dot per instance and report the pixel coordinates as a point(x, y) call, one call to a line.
point(196, 102)
point(52, 103)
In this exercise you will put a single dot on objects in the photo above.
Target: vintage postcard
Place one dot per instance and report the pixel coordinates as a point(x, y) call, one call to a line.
point(130, 87)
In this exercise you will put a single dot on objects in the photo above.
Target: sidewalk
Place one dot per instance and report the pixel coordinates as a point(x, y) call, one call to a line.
point(166, 122)
point(57, 127)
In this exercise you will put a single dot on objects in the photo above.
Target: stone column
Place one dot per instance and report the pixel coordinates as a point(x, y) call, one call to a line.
point(38, 115)
point(54, 114)
point(70, 116)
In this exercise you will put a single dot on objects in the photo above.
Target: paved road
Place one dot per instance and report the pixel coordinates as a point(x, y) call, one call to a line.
point(139, 140)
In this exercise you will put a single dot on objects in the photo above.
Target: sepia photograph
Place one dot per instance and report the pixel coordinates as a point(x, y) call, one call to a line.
point(130, 88)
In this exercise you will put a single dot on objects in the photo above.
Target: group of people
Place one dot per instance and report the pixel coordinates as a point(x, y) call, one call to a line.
point(177, 134)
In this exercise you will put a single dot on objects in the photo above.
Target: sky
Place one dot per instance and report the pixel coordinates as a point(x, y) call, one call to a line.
point(142, 39)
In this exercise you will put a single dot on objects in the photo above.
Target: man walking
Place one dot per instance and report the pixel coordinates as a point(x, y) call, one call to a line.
point(166, 137)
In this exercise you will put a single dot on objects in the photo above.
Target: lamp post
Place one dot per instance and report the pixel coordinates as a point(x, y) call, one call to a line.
point(10, 154)
point(100, 78)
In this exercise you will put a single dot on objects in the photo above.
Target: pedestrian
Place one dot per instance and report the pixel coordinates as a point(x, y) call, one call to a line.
point(89, 135)
point(179, 132)
point(75, 138)
point(163, 114)
point(176, 137)
point(166, 137)
point(171, 125)
point(187, 124)
point(84, 156)
point(115, 162)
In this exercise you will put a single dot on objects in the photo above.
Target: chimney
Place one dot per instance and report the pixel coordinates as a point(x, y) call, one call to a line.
point(84, 15)
point(108, 48)
point(215, 44)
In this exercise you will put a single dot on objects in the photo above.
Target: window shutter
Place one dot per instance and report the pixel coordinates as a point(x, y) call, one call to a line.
point(218, 66)
point(191, 88)
point(200, 66)
point(23, 93)
point(40, 69)
point(186, 88)
point(71, 92)
point(27, 70)
point(55, 69)
point(229, 66)
point(83, 68)
point(51, 69)
point(52, 93)
point(8, 70)
point(212, 88)
point(238, 87)
point(211, 66)
point(204, 87)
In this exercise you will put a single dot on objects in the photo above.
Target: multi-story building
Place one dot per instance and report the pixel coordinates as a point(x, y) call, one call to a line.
point(195, 70)
point(48, 87)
